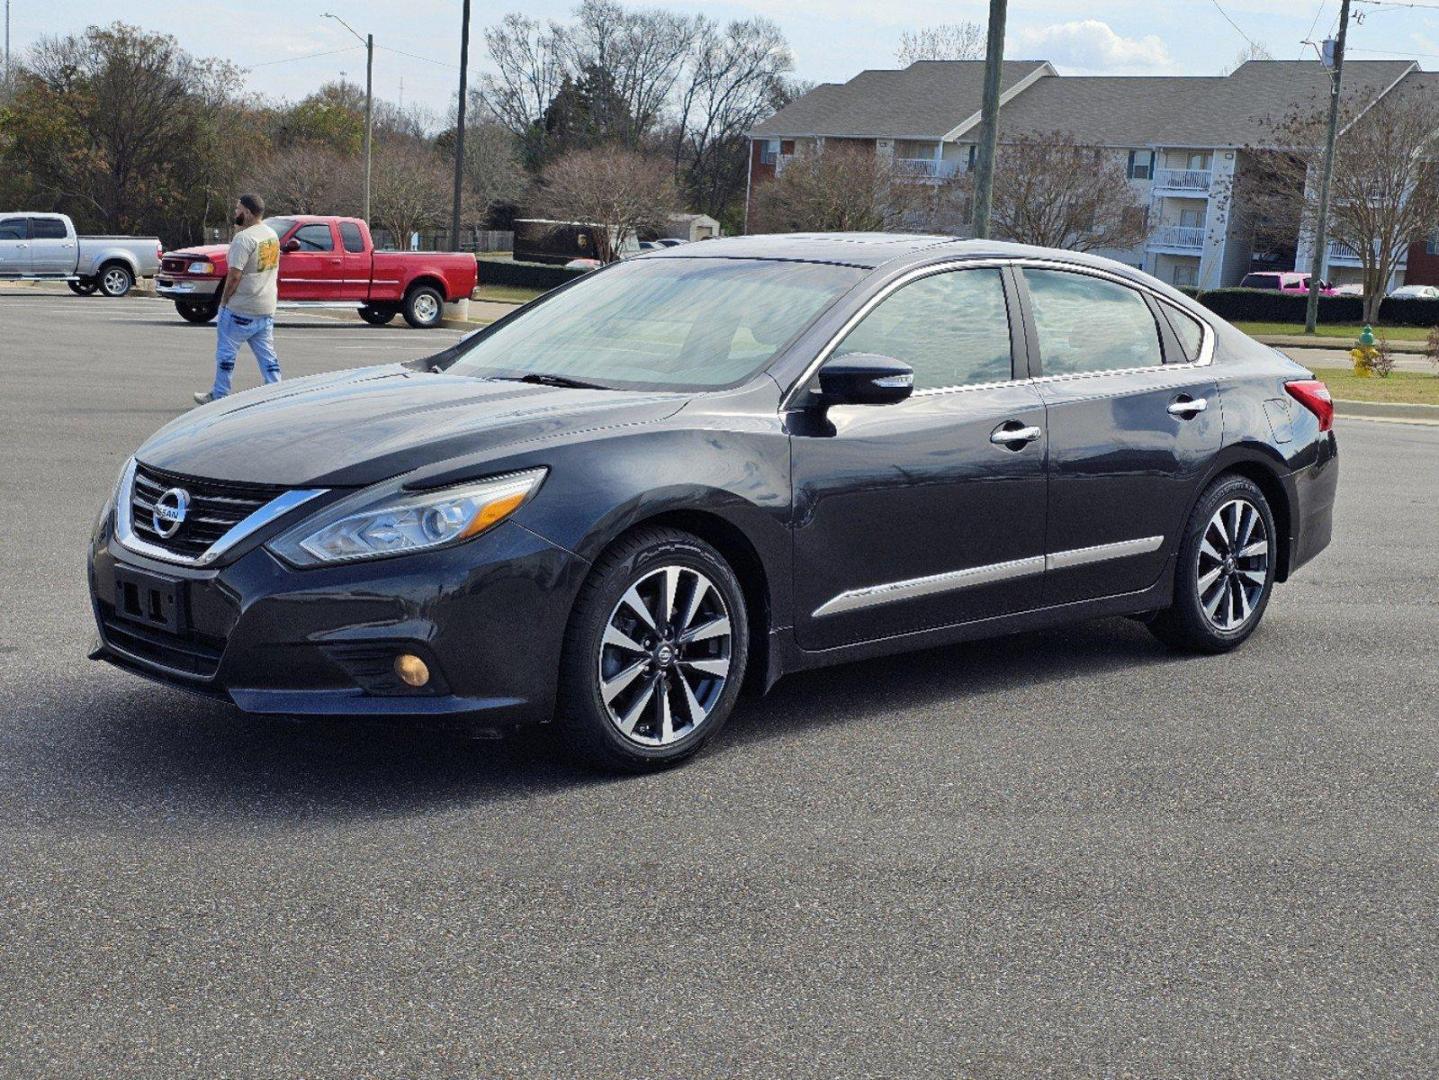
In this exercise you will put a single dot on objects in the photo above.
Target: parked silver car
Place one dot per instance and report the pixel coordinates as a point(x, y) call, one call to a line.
point(44, 247)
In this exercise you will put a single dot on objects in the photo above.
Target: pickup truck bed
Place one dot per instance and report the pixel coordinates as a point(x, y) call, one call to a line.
point(331, 262)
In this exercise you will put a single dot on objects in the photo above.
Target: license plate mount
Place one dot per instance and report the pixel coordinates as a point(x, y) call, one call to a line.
point(150, 599)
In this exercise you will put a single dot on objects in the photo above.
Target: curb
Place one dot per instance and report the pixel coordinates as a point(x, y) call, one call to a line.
point(1287, 341)
point(1376, 410)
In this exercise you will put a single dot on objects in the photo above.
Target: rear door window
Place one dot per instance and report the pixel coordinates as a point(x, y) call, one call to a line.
point(42, 228)
point(1087, 324)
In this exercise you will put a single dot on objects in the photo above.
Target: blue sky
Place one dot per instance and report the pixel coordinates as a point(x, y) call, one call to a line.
point(832, 39)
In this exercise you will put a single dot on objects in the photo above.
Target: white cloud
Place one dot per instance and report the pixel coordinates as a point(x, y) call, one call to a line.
point(1089, 45)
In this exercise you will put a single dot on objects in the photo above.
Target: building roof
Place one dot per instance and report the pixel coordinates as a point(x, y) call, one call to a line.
point(923, 101)
point(933, 98)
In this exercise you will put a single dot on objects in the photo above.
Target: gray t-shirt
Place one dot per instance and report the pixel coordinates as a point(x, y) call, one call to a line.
point(255, 252)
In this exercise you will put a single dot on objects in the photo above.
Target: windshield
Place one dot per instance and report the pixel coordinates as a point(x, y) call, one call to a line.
point(281, 225)
point(673, 324)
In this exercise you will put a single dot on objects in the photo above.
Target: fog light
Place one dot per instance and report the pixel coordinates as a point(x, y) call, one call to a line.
point(412, 670)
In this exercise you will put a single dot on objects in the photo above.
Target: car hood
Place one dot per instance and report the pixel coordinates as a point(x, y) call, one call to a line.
point(213, 252)
point(358, 427)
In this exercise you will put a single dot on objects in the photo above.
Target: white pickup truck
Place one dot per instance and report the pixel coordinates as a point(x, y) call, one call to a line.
point(44, 247)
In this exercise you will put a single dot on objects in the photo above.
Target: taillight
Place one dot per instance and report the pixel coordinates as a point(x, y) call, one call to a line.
point(1314, 396)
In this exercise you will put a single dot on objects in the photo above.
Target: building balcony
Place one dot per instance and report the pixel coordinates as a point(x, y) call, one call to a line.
point(1178, 237)
point(1195, 181)
point(925, 169)
point(1345, 255)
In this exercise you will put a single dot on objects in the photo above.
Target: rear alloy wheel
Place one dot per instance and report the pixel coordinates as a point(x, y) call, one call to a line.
point(423, 307)
point(377, 315)
point(655, 654)
point(116, 280)
point(1226, 570)
point(83, 286)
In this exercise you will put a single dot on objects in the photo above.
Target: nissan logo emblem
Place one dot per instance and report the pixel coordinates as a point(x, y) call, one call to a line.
point(169, 512)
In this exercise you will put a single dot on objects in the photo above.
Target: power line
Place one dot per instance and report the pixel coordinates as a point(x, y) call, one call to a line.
point(1232, 23)
point(417, 56)
point(1398, 54)
point(306, 56)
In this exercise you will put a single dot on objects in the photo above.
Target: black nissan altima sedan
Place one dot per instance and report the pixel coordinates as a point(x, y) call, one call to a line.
point(709, 466)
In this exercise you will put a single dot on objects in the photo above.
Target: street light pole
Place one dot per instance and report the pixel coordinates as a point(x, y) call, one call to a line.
point(989, 119)
point(460, 128)
point(369, 42)
point(1321, 224)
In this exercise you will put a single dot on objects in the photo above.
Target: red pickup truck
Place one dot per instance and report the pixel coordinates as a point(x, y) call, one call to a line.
point(329, 262)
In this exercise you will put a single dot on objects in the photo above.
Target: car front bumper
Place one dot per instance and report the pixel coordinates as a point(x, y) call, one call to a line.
point(178, 288)
point(487, 617)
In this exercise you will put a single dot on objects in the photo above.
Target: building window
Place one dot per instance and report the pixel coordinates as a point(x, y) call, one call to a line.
point(973, 154)
point(1198, 161)
point(1141, 165)
point(1184, 274)
point(1431, 246)
point(915, 150)
point(769, 152)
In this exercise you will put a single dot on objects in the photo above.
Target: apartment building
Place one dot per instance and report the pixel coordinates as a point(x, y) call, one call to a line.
point(1181, 140)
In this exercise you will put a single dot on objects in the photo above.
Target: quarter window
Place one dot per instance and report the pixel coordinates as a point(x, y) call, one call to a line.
point(314, 238)
point(952, 328)
point(1087, 324)
point(1188, 330)
point(350, 235)
point(42, 228)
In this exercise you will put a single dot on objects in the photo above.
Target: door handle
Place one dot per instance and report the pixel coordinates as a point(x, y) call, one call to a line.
point(1007, 436)
point(1187, 408)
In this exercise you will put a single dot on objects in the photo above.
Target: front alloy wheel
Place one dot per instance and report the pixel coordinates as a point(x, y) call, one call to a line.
point(654, 654)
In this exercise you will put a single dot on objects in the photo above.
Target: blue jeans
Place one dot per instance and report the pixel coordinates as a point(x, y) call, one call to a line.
point(235, 329)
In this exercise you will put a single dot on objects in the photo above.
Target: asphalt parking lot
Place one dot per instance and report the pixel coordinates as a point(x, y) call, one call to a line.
point(1065, 853)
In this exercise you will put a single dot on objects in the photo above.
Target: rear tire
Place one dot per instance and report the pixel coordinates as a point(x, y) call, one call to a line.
point(376, 315)
point(424, 307)
point(116, 280)
point(196, 313)
point(1225, 572)
point(84, 286)
point(645, 687)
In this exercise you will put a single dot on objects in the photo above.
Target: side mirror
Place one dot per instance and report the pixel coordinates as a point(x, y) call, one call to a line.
point(865, 379)
point(290, 245)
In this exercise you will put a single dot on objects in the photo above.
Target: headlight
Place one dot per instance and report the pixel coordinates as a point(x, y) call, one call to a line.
point(367, 526)
point(113, 502)
point(200, 267)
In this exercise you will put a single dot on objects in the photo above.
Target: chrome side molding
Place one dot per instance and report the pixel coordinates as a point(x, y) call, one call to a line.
point(889, 592)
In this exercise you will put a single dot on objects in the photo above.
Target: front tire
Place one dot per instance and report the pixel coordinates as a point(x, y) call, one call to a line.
point(116, 280)
point(196, 313)
point(376, 315)
point(654, 654)
point(424, 307)
point(1225, 573)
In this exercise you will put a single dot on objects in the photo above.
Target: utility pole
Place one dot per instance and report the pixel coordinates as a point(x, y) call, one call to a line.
point(1321, 223)
point(7, 44)
point(369, 42)
point(460, 128)
point(989, 119)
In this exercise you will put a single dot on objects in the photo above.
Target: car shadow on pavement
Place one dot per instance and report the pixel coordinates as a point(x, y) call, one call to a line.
point(154, 756)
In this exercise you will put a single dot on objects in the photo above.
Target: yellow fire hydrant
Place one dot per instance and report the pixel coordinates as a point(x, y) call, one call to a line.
point(1364, 352)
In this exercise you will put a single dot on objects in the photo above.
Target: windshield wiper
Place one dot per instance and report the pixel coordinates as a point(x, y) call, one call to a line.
point(541, 378)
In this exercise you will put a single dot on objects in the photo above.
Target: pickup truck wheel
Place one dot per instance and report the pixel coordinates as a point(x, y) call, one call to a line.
point(84, 286)
point(376, 315)
point(196, 313)
point(423, 307)
point(116, 280)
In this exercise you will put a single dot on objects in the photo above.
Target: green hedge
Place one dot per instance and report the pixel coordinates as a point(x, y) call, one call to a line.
point(1267, 305)
point(524, 275)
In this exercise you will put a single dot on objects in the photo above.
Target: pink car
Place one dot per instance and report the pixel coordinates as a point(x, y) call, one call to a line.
point(1286, 281)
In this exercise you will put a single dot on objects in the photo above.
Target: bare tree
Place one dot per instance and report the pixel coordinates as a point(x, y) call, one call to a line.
point(620, 189)
point(1255, 50)
point(1384, 195)
point(308, 179)
point(732, 77)
point(412, 188)
point(844, 187)
point(494, 175)
point(947, 41)
point(531, 65)
point(1051, 191)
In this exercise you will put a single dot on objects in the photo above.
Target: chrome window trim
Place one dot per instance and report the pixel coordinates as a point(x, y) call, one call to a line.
point(869, 596)
point(124, 531)
point(1206, 348)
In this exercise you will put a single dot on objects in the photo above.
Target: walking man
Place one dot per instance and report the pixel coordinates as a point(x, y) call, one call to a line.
point(247, 305)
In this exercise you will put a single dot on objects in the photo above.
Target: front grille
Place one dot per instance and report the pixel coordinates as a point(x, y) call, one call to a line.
point(190, 654)
point(173, 265)
point(214, 508)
